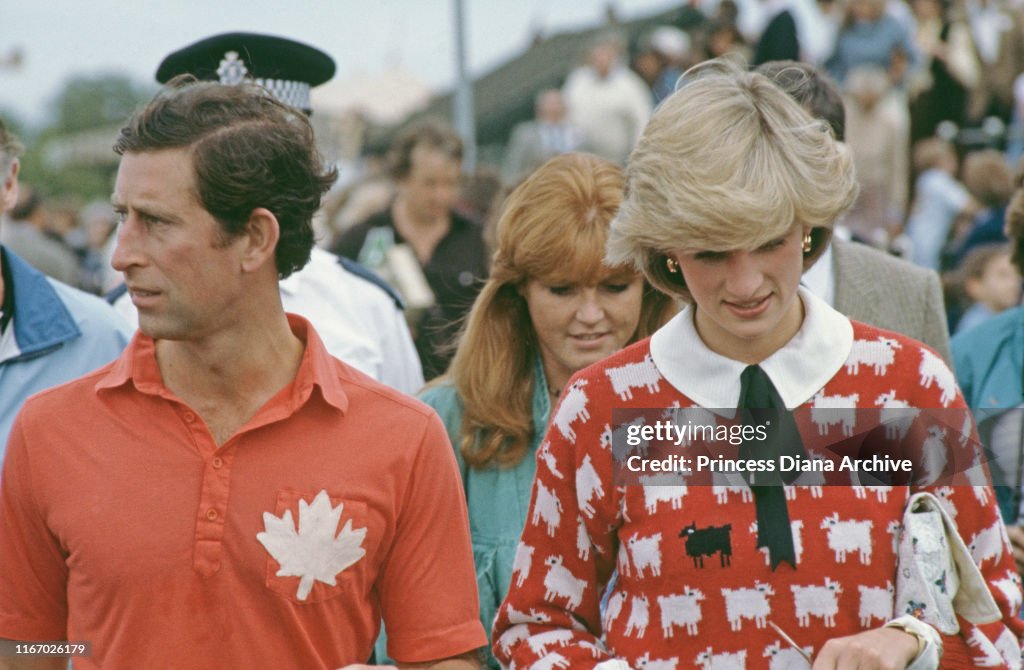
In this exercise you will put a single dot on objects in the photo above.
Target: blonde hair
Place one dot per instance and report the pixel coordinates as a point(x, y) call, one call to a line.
point(552, 228)
point(728, 162)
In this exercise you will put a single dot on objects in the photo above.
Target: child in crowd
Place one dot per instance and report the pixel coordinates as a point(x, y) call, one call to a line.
point(939, 200)
point(990, 283)
point(990, 182)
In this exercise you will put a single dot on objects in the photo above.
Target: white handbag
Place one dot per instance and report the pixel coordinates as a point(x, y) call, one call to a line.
point(936, 578)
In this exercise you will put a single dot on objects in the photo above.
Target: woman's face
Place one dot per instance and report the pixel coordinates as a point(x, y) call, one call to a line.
point(579, 325)
point(745, 302)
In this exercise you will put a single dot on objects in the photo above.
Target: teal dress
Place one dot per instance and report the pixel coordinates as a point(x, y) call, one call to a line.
point(497, 498)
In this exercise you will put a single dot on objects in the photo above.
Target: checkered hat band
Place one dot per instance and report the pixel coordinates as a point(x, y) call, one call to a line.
point(293, 93)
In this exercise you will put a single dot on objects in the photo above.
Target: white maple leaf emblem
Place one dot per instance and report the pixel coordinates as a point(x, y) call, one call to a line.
point(313, 553)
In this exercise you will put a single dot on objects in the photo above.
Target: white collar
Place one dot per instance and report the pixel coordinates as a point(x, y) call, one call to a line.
point(798, 370)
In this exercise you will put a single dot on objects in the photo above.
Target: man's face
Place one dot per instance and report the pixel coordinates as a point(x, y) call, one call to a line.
point(183, 277)
point(602, 58)
point(430, 188)
point(551, 107)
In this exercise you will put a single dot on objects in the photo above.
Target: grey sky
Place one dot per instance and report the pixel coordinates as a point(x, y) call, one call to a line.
point(65, 37)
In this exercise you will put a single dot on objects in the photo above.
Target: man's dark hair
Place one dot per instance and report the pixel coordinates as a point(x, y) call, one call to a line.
point(433, 134)
point(248, 150)
point(812, 88)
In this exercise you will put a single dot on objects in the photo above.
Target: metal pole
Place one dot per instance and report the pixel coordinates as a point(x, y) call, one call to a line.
point(465, 122)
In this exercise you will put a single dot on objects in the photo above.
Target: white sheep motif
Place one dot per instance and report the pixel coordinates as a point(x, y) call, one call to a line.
point(639, 616)
point(709, 660)
point(845, 536)
point(875, 603)
point(521, 563)
point(785, 658)
point(682, 610)
point(646, 553)
point(633, 376)
point(821, 602)
point(572, 408)
point(835, 410)
point(645, 662)
point(546, 507)
point(559, 582)
point(748, 603)
point(896, 415)
point(588, 486)
point(879, 354)
point(933, 370)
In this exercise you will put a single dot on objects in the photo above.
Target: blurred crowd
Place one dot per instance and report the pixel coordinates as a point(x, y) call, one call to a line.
point(933, 94)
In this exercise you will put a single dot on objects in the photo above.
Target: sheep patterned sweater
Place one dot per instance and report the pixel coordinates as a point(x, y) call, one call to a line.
point(693, 589)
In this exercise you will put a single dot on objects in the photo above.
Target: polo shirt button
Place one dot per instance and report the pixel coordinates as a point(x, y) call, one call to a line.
point(217, 462)
point(190, 417)
point(211, 514)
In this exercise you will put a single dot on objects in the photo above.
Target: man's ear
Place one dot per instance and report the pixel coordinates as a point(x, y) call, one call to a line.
point(261, 236)
point(9, 188)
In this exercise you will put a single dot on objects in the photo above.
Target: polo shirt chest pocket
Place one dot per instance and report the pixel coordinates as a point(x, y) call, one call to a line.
point(317, 546)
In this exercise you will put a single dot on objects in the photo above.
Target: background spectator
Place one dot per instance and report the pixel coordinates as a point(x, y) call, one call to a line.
point(990, 183)
point(990, 284)
point(939, 200)
point(939, 86)
point(877, 134)
point(998, 32)
point(607, 101)
point(534, 142)
point(661, 57)
point(25, 233)
point(440, 247)
point(871, 36)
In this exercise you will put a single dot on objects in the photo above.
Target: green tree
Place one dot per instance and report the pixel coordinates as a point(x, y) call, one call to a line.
point(71, 158)
point(86, 102)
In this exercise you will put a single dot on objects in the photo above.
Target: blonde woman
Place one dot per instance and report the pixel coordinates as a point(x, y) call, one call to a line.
point(550, 308)
point(732, 192)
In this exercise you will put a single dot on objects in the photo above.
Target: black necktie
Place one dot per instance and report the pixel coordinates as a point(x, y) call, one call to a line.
point(760, 404)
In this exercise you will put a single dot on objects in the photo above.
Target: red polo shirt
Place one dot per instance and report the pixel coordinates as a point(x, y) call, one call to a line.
point(124, 524)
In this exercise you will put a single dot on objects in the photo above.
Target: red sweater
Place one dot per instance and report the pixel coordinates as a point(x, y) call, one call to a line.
point(693, 588)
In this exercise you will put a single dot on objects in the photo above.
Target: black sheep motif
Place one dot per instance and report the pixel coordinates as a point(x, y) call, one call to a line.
point(701, 542)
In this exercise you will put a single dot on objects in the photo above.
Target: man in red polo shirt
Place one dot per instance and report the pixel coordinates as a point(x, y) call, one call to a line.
point(227, 494)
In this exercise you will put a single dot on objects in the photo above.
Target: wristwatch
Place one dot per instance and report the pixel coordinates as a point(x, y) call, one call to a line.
point(929, 644)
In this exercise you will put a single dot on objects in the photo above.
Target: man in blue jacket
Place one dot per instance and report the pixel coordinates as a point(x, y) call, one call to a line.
point(50, 333)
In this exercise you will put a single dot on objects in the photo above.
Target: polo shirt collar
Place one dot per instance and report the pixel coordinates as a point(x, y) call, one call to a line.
point(316, 369)
point(798, 370)
point(41, 321)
